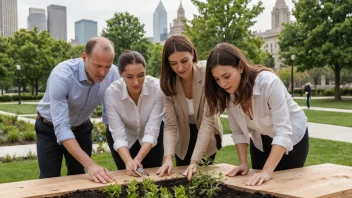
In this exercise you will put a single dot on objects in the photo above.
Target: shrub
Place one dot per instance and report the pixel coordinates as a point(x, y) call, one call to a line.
point(7, 129)
point(29, 135)
point(13, 136)
point(3, 140)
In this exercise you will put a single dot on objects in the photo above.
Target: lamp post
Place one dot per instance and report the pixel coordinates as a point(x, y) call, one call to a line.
point(18, 67)
point(292, 58)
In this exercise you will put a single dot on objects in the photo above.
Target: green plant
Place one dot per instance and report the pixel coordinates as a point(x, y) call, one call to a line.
point(3, 140)
point(9, 128)
point(113, 190)
point(132, 189)
point(13, 136)
point(30, 155)
point(164, 193)
point(179, 192)
point(150, 189)
point(8, 158)
point(29, 135)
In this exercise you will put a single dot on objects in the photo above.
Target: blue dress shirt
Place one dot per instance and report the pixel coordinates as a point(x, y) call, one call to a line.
point(70, 98)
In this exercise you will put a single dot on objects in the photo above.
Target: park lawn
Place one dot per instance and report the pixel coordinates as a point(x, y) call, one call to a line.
point(19, 109)
point(321, 151)
point(327, 103)
point(326, 117)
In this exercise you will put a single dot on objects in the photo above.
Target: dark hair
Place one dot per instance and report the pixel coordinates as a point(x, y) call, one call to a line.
point(227, 54)
point(93, 42)
point(130, 57)
point(177, 43)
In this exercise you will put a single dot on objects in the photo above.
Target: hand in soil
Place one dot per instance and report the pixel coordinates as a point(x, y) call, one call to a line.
point(241, 169)
point(258, 178)
point(98, 174)
point(165, 168)
point(192, 168)
point(131, 168)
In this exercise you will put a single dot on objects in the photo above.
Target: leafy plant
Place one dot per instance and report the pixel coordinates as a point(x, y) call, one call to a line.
point(113, 190)
point(3, 140)
point(30, 155)
point(150, 189)
point(164, 193)
point(8, 158)
point(8, 129)
point(132, 189)
point(179, 192)
point(29, 135)
point(13, 136)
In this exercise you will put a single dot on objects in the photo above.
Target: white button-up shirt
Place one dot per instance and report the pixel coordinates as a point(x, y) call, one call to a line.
point(275, 114)
point(129, 122)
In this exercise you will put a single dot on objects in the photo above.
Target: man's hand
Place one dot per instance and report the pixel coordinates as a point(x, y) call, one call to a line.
point(98, 174)
point(166, 167)
point(258, 178)
point(241, 169)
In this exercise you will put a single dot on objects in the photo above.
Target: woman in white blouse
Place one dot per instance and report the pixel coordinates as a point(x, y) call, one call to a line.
point(135, 109)
point(261, 113)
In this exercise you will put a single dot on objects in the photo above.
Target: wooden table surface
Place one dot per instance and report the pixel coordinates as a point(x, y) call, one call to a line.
point(325, 180)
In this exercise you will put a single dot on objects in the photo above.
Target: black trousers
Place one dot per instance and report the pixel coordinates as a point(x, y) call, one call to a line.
point(192, 143)
point(153, 159)
point(50, 153)
point(295, 158)
point(308, 100)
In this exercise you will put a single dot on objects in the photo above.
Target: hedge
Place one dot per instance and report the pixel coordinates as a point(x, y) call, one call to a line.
point(8, 98)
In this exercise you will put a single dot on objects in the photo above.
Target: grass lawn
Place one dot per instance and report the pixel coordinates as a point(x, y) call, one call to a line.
point(19, 109)
point(321, 151)
point(327, 103)
point(325, 117)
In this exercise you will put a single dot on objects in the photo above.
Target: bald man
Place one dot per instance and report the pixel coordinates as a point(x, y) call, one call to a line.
point(74, 89)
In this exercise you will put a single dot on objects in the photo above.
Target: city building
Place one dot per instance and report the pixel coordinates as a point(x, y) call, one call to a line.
point(36, 18)
point(85, 30)
point(8, 17)
point(57, 22)
point(279, 15)
point(160, 23)
point(178, 26)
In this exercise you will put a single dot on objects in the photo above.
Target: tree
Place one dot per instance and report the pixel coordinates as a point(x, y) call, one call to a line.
point(315, 74)
point(154, 62)
point(127, 33)
point(226, 21)
point(76, 51)
point(322, 35)
point(6, 65)
point(269, 61)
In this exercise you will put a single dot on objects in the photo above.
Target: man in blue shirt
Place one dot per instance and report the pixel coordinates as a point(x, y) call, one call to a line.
point(74, 89)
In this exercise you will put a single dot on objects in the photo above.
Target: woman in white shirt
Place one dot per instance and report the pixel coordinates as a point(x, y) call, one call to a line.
point(261, 113)
point(135, 109)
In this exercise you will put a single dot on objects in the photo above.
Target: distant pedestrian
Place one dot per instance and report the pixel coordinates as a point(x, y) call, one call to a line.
point(308, 93)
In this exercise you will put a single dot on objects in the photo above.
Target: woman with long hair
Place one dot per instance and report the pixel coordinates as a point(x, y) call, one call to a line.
point(261, 113)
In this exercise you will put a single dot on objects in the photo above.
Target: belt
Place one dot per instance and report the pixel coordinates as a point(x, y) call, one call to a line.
point(40, 117)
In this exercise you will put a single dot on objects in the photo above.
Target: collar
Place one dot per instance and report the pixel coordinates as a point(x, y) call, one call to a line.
point(82, 75)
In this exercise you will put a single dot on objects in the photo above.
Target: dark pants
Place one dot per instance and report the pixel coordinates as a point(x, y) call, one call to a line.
point(192, 143)
point(153, 159)
point(50, 153)
point(308, 100)
point(295, 158)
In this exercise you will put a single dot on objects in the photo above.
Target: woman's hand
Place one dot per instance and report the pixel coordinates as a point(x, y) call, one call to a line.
point(241, 169)
point(166, 167)
point(131, 168)
point(258, 178)
point(190, 170)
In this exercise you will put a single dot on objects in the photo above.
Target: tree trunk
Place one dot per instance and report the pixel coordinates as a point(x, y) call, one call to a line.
point(337, 82)
point(32, 83)
point(36, 87)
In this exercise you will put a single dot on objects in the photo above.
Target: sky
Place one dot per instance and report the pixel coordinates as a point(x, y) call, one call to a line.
point(101, 10)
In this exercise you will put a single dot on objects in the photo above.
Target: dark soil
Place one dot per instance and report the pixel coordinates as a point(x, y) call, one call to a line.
point(226, 192)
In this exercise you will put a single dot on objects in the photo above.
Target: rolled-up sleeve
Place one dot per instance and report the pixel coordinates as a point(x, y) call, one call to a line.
point(116, 125)
point(238, 136)
point(280, 114)
point(59, 89)
point(152, 128)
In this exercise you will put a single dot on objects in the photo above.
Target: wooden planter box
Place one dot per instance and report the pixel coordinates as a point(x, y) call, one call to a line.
point(325, 180)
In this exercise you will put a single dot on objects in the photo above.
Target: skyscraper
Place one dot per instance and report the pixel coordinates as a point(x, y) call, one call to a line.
point(160, 23)
point(85, 30)
point(57, 22)
point(8, 17)
point(179, 23)
point(36, 18)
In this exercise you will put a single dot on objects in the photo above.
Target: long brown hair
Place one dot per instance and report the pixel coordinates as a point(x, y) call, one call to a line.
point(177, 43)
point(229, 55)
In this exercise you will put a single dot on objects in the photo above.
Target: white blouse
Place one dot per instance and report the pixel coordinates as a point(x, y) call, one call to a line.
point(191, 115)
point(275, 114)
point(129, 122)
